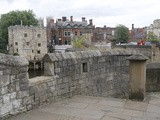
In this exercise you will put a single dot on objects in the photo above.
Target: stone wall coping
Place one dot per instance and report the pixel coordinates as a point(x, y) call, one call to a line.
point(137, 57)
point(39, 80)
point(155, 65)
point(11, 60)
point(50, 57)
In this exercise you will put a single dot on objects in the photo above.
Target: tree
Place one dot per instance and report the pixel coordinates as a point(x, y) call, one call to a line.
point(121, 34)
point(152, 37)
point(78, 42)
point(14, 18)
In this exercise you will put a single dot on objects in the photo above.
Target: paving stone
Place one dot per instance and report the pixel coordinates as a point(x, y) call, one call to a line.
point(135, 105)
point(155, 100)
point(110, 118)
point(153, 109)
point(133, 113)
point(112, 102)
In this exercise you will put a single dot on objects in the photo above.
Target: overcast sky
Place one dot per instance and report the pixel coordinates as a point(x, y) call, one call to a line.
point(103, 12)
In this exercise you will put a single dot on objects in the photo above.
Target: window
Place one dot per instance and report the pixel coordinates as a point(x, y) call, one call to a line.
point(75, 33)
point(27, 43)
point(69, 33)
point(80, 33)
point(38, 52)
point(25, 34)
point(84, 67)
point(38, 35)
point(17, 50)
point(16, 43)
point(32, 51)
point(39, 44)
point(65, 33)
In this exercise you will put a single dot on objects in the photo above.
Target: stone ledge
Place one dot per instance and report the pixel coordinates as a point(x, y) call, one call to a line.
point(11, 60)
point(51, 57)
point(39, 80)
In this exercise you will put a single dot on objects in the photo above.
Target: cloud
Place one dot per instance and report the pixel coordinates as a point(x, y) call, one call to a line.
point(103, 12)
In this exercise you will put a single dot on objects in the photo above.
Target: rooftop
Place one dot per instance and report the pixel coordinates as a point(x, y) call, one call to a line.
point(96, 108)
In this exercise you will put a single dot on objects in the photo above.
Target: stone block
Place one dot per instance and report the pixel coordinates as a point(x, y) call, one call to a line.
point(17, 86)
point(28, 100)
point(6, 108)
point(32, 90)
point(15, 71)
point(52, 89)
point(24, 86)
point(29, 107)
point(60, 80)
point(11, 88)
point(17, 103)
point(22, 94)
point(13, 95)
point(22, 75)
point(6, 98)
point(23, 69)
point(1, 72)
point(7, 71)
point(57, 70)
point(13, 78)
point(3, 90)
point(4, 80)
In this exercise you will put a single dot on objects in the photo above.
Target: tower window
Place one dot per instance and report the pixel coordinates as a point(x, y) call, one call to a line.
point(39, 44)
point(25, 35)
point(38, 52)
point(16, 43)
point(39, 35)
point(84, 67)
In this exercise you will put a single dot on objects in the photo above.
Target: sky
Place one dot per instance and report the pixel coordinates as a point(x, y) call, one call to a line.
point(111, 13)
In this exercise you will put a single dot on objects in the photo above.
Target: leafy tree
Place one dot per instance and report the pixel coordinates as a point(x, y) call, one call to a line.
point(152, 37)
point(14, 18)
point(121, 34)
point(78, 42)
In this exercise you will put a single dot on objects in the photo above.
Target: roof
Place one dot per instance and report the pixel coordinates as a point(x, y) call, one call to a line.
point(72, 24)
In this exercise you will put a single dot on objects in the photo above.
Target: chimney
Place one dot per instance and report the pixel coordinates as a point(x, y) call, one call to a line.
point(83, 19)
point(132, 26)
point(64, 19)
point(71, 18)
point(59, 20)
point(91, 22)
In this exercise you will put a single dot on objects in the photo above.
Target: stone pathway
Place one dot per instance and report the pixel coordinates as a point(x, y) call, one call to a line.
point(96, 108)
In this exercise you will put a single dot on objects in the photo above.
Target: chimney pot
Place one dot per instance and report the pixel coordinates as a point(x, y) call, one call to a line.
point(83, 19)
point(132, 26)
point(71, 18)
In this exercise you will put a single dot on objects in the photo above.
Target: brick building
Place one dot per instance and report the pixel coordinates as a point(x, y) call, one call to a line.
point(61, 31)
point(137, 34)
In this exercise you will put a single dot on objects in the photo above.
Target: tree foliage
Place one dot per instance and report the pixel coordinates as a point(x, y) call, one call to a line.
point(14, 18)
point(121, 34)
point(78, 42)
point(152, 37)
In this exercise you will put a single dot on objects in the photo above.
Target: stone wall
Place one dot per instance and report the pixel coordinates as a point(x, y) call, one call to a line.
point(153, 77)
point(13, 84)
point(152, 52)
point(91, 73)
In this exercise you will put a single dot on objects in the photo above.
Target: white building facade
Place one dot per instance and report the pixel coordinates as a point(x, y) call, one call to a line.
point(27, 41)
point(155, 28)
